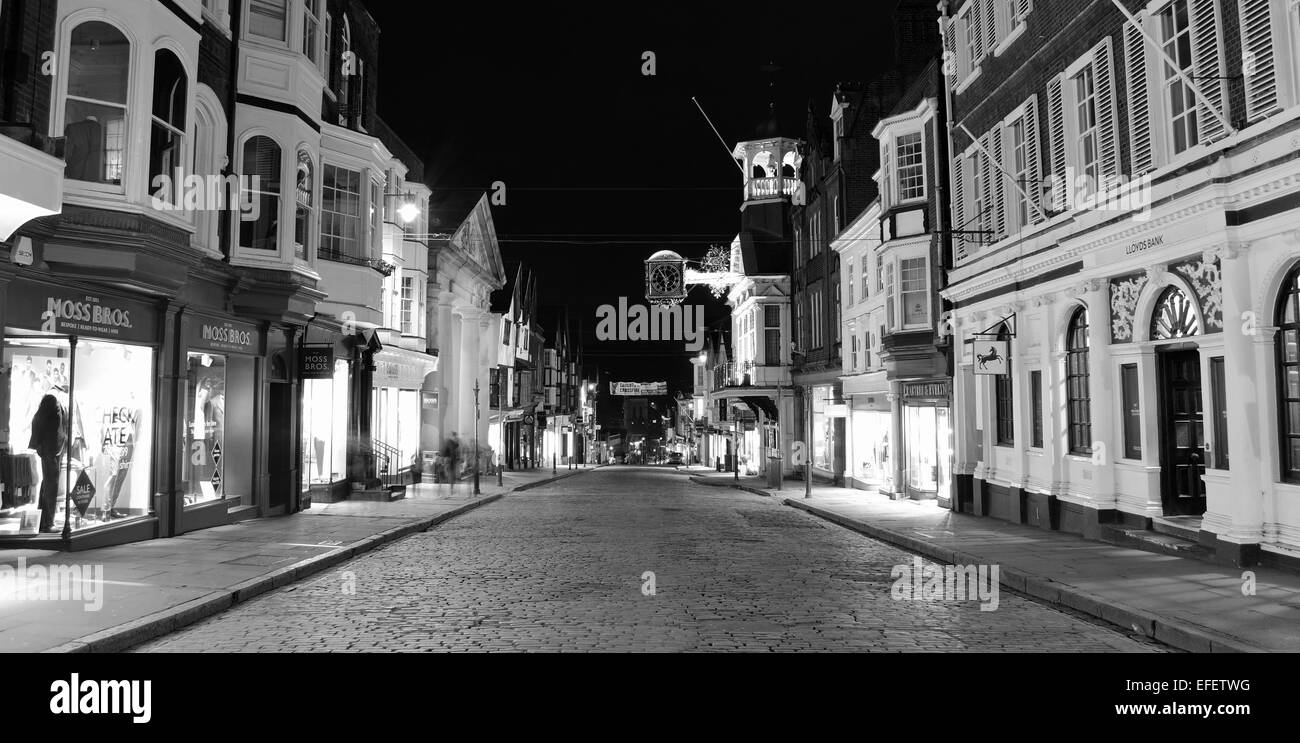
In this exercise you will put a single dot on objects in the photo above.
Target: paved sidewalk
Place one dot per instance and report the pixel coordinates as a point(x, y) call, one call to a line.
point(1185, 603)
point(150, 588)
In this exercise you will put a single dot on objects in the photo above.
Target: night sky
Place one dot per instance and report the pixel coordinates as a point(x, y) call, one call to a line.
point(604, 166)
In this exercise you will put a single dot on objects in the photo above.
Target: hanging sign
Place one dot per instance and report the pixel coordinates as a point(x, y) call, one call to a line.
point(216, 453)
point(316, 362)
point(638, 389)
point(990, 356)
point(83, 492)
point(216, 480)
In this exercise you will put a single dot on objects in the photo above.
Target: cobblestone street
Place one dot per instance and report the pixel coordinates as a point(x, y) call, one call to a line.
point(559, 568)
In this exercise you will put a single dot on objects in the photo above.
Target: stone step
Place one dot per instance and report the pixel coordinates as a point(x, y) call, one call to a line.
point(1183, 527)
point(1152, 541)
point(382, 495)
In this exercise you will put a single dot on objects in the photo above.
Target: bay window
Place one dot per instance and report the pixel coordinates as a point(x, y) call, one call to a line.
point(912, 287)
point(340, 214)
point(910, 167)
point(167, 135)
point(99, 70)
point(268, 19)
point(261, 177)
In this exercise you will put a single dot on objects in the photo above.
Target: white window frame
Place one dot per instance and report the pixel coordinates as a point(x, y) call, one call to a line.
point(896, 174)
point(925, 292)
point(217, 12)
point(849, 276)
point(968, 63)
point(284, 227)
point(283, 43)
point(1012, 18)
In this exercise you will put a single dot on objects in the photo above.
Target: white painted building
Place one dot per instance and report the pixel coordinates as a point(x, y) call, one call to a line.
point(1153, 337)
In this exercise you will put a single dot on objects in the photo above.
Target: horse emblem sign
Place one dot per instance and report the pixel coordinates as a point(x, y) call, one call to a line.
point(990, 357)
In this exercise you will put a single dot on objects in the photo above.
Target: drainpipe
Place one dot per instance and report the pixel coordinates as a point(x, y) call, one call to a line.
point(236, 23)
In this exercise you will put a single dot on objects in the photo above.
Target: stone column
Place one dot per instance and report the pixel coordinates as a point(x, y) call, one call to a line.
point(1250, 388)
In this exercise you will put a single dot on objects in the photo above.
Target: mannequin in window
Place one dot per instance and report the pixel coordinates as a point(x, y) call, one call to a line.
point(49, 439)
point(83, 150)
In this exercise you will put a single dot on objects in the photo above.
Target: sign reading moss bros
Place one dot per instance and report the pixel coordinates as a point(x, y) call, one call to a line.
point(316, 362)
point(224, 335)
point(54, 309)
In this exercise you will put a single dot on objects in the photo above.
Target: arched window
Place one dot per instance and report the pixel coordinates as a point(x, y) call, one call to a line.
point(99, 68)
point(304, 191)
point(167, 135)
point(1003, 398)
point(346, 64)
point(261, 183)
point(1175, 317)
point(1078, 400)
point(1288, 375)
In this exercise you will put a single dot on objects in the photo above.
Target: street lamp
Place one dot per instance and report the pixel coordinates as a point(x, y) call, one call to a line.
point(476, 490)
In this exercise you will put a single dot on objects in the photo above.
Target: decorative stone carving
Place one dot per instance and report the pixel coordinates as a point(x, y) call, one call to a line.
point(1124, 293)
point(1206, 280)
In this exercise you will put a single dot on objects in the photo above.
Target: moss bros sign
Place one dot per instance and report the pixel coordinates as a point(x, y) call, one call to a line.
point(224, 335)
point(69, 312)
point(316, 362)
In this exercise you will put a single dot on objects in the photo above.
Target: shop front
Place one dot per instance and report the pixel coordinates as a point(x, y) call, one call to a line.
point(827, 427)
point(222, 373)
point(926, 457)
point(325, 377)
point(867, 448)
point(77, 447)
point(399, 406)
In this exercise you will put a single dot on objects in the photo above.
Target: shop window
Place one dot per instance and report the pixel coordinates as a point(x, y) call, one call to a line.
point(205, 425)
point(823, 428)
point(1288, 375)
point(1078, 397)
point(268, 19)
point(340, 214)
point(261, 171)
point(99, 68)
point(1132, 412)
point(1003, 401)
point(76, 425)
point(167, 136)
point(324, 427)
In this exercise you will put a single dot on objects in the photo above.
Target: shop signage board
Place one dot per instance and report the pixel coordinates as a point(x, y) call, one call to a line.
point(224, 336)
point(316, 362)
point(991, 356)
point(67, 311)
point(938, 390)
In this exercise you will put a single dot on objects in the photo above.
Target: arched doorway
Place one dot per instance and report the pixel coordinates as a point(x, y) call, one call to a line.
point(1181, 404)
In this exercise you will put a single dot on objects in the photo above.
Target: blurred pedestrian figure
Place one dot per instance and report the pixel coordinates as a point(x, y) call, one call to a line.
point(451, 461)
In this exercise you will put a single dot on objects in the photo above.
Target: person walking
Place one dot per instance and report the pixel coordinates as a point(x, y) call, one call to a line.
point(451, 461)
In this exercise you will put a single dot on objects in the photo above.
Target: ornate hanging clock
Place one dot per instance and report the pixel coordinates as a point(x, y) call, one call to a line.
point(665, 278)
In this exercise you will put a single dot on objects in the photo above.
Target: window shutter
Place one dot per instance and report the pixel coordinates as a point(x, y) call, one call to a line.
point(986, 186)
point(975, 18)
point(1139, 101)
point(1257, 58)
point(1024, 6)
point(990, 25)
point(1032, 154)
point(1207, 67)
point(950, 52)
point(1056, 143)
point(997, 197)
point(1107, 122)
point(958, 207)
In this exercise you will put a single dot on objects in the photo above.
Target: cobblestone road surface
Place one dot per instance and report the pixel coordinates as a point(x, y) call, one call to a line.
point(560, 568)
